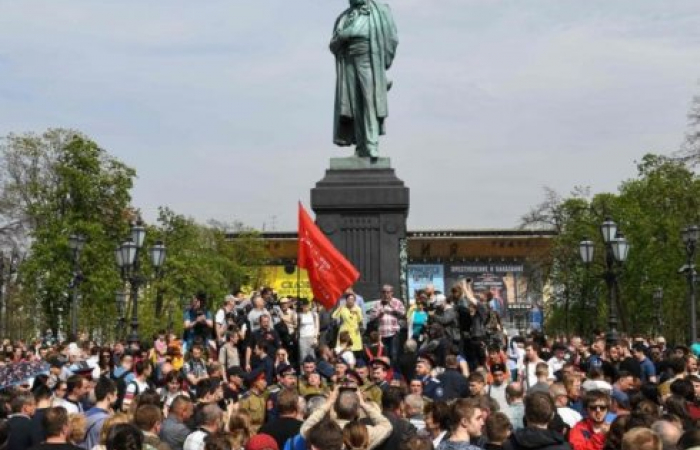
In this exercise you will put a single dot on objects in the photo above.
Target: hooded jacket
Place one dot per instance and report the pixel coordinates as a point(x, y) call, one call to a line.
point(536, 439)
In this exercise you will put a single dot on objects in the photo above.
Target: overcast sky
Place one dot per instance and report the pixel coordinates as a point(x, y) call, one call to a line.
point(225, 108)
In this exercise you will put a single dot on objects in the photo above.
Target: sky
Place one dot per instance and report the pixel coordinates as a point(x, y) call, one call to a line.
point(225, 108)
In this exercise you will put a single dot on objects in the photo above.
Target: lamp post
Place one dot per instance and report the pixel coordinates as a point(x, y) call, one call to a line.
point(616, 250)
point(586, 250)
point(120, 297)
point(76, 242)
point(658, 302)
point(127, 257)
point(690, 239)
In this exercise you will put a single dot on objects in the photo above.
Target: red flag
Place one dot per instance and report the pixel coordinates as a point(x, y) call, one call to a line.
point(329, 272)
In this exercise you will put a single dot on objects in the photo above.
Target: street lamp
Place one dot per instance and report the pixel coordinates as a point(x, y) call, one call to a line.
point(690, 239)
point(616, 250)
point(76, 242)
point(127, 258)
point(120, 297)
point(658, 302)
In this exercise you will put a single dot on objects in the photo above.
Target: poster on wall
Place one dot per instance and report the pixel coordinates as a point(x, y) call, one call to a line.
point(284, 280)
point(506, 281)
point(420, 275)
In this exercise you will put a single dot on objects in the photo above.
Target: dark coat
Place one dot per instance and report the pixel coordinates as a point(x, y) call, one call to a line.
point(536, 439)
point(454, 385)
point(401, 429)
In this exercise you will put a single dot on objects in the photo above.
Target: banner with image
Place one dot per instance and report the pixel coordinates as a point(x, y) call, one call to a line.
point(506, 281)
point(420, 275)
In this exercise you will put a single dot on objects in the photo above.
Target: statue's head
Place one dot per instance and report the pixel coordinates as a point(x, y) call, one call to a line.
point(355, 3)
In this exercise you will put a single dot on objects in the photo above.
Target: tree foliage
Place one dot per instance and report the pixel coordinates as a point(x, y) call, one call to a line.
point(61, 183)
point(651, 210)
point(56, 184)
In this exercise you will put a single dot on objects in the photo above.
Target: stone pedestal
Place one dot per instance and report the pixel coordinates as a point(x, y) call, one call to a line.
point(362, 207)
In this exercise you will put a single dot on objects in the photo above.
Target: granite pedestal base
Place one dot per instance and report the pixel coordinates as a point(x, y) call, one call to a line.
point(362, 206)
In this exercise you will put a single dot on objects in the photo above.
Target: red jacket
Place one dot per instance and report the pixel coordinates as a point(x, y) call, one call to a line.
point(582, 436)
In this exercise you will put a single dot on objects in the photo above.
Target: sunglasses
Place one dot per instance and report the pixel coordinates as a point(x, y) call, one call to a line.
point(598, 408)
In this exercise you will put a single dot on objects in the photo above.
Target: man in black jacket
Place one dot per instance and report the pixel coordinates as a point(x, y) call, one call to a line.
point(539, 411)
point(454, 383)
point(20, 423)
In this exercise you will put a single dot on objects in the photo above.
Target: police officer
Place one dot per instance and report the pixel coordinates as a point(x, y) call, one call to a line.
point(380, 369)
point(254, 401)
point(286, 379)
point(371, 391)
point(431, 386)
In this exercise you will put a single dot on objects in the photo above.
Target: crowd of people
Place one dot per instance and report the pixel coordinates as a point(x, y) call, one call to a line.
point(260, 372)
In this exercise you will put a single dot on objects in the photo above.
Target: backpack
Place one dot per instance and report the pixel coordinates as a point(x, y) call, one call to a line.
point(120, 381)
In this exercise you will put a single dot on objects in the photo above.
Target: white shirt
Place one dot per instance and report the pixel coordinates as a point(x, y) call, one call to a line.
point(569, 416)
point(307, 323)
point(195, 441)
point(555, 365)
point(69, 406)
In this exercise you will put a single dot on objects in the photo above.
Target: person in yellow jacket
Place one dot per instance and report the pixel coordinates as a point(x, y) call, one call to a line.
point(350, 316)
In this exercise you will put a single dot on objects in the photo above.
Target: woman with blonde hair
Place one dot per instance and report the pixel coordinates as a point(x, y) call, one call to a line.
point(78, 426)
point(355, 436)
point(107, 426)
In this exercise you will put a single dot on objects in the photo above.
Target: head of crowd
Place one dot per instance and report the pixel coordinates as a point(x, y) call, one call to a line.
point(262, 372)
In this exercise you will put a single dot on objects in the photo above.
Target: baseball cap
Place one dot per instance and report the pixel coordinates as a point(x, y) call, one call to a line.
point(262, 442)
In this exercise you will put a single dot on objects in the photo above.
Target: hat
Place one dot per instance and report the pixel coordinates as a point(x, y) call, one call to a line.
point(55, 361)
point(284, 300)
point(427, 358)
point(498, 367)
point(360, 363)
point(81, 368)
point(621, 398)
point(309, 359)
point(262, 442)
point(380, 362)
point(285, 370)
point(235, 371)
point(353, 376)
point(255, 375)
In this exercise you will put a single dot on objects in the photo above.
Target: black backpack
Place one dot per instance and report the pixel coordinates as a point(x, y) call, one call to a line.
point(120, 381)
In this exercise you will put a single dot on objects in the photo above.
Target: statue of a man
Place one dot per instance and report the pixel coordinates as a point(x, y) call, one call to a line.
point(364, 43)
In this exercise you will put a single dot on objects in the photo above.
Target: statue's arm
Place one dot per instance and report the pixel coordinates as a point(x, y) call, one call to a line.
point(337, 40)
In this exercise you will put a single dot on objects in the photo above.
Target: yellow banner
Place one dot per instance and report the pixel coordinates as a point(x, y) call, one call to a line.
point(287, 284)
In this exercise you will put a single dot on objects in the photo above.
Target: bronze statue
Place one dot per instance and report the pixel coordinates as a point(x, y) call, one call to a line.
point(364, 44)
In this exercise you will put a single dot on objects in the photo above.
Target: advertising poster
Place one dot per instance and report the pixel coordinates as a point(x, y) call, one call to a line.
point(420, 275)
point(284, 281)
point(505, 280)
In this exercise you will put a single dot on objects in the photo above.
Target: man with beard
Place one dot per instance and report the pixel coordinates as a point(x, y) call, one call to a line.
point(590, 433)
point(105, 397)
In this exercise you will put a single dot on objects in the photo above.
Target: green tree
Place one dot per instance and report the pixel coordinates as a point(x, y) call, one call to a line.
point(56, 184)
point(650, 209)
point(200, 258)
